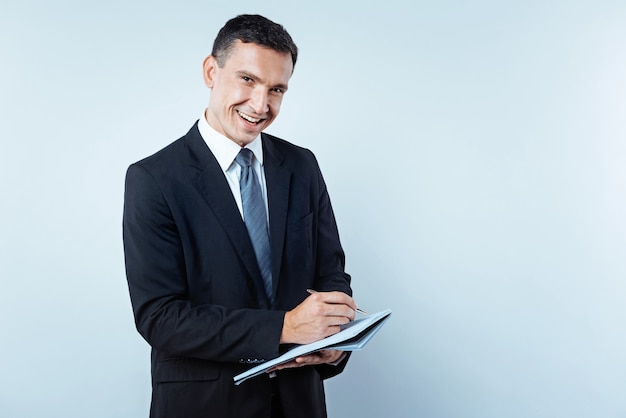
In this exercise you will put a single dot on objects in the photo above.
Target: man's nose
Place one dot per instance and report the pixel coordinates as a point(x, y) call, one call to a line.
point(259, 101)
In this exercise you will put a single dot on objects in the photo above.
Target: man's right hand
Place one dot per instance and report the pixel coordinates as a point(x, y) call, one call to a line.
point(317, 317)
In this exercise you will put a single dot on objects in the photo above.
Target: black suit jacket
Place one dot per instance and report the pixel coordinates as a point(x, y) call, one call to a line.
point(195, 287)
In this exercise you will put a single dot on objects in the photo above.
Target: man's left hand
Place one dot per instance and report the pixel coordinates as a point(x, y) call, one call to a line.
point(319, 357)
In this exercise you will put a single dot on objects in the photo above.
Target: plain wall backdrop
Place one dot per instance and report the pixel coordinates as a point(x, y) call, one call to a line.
point(474, 152)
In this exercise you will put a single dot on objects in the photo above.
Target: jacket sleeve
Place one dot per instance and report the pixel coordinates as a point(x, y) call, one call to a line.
point(164, 312)
point(330, 274)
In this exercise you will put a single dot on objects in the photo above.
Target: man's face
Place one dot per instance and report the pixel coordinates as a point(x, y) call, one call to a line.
point(247, 91)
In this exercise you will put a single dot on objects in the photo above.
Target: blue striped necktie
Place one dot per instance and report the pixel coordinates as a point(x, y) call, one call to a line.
point(255, 218)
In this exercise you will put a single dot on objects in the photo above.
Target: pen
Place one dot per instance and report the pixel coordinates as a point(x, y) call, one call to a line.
point(311, 291)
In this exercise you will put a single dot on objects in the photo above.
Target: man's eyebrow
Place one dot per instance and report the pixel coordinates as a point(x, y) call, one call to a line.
point(281, 86)
point(245, 73)
point(248, 74)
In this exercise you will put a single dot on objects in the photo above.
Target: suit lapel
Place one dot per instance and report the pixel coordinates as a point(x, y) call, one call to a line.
point(214, 188)
point(277, 179)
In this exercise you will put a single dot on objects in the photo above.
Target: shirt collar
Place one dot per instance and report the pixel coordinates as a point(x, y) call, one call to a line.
point(223, 148)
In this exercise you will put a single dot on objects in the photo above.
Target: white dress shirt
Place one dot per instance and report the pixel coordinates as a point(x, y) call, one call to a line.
point(225, 152)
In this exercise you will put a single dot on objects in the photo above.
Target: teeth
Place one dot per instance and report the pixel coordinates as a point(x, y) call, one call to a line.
point(249, 118)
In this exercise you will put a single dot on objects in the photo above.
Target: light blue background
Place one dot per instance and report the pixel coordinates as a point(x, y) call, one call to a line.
point(474, 151)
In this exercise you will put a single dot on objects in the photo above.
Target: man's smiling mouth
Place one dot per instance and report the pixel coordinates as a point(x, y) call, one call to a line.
point(248, 117)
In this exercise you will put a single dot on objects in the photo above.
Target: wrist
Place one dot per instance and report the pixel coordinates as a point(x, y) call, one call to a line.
point(286, 334)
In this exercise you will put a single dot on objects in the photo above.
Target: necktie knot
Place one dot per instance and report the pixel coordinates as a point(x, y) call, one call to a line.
point(244, 158)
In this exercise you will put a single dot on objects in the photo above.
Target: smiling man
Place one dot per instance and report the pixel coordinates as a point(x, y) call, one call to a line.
point(225, 230)
point(247, 88)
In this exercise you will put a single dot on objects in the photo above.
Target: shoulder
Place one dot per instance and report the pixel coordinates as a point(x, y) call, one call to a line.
point(171, 157)
point(170, 152)
point(292, 154)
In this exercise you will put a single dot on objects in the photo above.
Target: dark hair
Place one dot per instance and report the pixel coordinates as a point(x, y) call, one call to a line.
point(256, 29)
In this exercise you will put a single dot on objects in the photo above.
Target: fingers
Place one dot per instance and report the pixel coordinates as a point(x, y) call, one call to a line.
point(329, 311)
point(333, 304)
point(319, 357)
point(337, 298)
point(320, 315)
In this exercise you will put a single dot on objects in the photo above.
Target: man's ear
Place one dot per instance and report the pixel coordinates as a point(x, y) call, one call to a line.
point(209, 66)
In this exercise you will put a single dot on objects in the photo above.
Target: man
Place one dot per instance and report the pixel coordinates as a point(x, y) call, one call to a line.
point(225, 230)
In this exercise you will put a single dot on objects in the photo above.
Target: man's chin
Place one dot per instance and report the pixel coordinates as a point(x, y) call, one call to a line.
point(245, 139)
point(250, 135)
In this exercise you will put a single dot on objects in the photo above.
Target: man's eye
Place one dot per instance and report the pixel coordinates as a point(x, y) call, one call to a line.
point(246, 79)
point(277, 90)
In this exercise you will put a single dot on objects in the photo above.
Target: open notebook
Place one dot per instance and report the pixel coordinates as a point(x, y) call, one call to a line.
point(353, 336)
